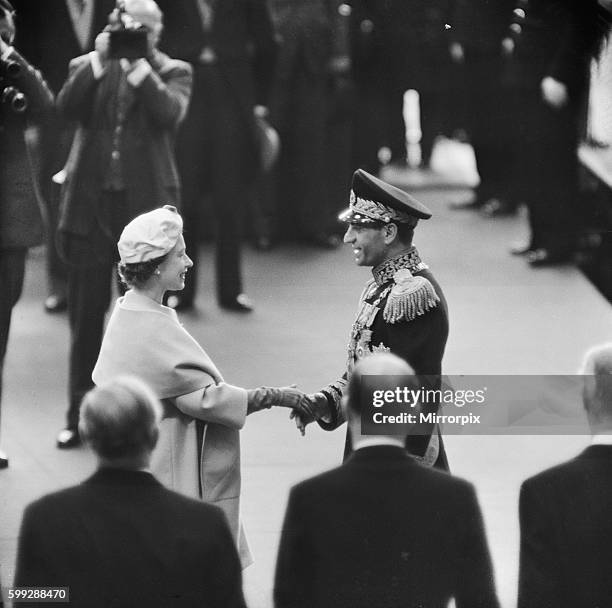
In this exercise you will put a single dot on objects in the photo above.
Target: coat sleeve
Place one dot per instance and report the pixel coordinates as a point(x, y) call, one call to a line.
point(165, 96)
point(33, 569)
point(539, 559)
point(227, 587)
point(294, 564)
point(219, 403)
point(76, 98)
point(476, 587)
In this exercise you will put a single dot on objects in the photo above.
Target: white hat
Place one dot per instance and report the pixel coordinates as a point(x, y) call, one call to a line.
point(150, 235)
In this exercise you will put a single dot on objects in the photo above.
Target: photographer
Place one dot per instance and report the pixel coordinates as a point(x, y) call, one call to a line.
point(128, 99)
point(25, 103)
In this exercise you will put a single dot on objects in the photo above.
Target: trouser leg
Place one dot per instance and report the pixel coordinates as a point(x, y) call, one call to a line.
point(12, 272)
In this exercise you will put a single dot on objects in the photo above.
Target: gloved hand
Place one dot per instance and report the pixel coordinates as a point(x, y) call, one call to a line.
point(318, 408)
point(285, 396)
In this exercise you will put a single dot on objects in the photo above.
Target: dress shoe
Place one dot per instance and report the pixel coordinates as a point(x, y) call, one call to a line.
point(55, 303)
point(496, 207)
point(241, 303)
point(179, 303)
point(522, 248)
point(542, 257)
point(3, 460)
point(68, 438)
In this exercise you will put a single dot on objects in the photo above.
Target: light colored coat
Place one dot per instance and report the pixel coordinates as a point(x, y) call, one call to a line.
point(145, 339)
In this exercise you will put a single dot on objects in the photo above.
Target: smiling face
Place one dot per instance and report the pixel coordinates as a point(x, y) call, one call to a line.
point(173, 269)
point(368, 242)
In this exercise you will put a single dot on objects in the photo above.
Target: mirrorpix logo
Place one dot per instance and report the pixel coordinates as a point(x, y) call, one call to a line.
point(394, 406)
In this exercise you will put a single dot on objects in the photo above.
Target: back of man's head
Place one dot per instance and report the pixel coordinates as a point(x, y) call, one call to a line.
point(597, 393)
point(385, 371)
point(120, 421)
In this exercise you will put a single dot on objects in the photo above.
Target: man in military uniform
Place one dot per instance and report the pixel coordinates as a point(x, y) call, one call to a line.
point(402, 308)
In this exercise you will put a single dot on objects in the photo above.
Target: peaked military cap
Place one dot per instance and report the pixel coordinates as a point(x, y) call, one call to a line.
point(373, 201)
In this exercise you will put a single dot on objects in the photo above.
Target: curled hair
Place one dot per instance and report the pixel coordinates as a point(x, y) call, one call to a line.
point(121, 418)
point(136, 275)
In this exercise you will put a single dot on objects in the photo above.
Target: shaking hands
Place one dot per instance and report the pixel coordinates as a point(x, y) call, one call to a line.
point(304, 408)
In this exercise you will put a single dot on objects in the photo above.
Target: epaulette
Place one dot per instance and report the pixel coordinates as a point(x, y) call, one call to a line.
point(409, 297)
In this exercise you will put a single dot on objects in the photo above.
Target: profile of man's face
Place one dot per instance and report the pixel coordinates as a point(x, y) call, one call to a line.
point(7, 27)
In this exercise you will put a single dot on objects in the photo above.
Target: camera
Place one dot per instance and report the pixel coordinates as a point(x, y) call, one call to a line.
point(128, 37)
point(10, 95)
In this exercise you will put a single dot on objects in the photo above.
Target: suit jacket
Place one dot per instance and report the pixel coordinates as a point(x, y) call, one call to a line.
point(381, 47)
point(20, 217)
point(46, 35)
point(566, 534)
point(382, 530)
point(555, 38)
point(241, 35)
point(121, 539)
point(153, 112)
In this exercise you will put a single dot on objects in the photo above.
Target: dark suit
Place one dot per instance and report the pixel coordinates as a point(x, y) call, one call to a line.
point(479, 26)
point(313, 34)
point(20, 217)
point(396, 45)
point(121, 539)
point(383, 531)
point(121, 164)
point(47, 36)
point(556, 38)
point(217, 147)
point(566, 534)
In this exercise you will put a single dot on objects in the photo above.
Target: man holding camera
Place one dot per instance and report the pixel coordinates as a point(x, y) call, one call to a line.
point(25, 103)
point(128, 99)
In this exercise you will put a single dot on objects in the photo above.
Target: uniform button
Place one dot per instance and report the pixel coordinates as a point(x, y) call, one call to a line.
point(520, 13)
point(516, 28)
point(118, 129)
point(116, 155)
point(344, 10)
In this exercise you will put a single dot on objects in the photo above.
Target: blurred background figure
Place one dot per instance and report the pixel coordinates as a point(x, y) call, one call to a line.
point(397, 45)
point(552, 43)
point(121, 538)
point(25, 106)
point(121, 164)
point(478, 28)
point(51, 33)
point(311, 77)
point(232, 49)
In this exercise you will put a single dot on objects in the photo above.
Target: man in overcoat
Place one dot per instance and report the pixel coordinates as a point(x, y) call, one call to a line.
point(20, 213)
point(566, 530)
point(382, 530)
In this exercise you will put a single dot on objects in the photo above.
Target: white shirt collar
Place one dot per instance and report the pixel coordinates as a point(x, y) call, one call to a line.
point(368, 442)
point(602, 438)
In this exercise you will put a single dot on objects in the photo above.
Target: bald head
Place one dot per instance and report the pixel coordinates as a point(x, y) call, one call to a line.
point(390, 372)
point(597, 393)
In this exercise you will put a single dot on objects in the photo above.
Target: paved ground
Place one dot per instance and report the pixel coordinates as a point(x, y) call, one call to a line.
point(505, 319)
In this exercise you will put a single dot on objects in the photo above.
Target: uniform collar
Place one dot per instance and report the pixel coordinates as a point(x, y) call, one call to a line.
point(408, 259)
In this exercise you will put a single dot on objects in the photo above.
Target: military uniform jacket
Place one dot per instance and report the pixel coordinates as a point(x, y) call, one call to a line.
point(402, 310)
